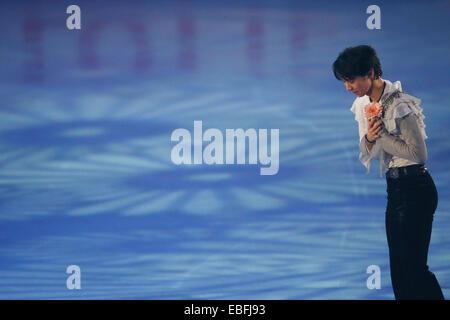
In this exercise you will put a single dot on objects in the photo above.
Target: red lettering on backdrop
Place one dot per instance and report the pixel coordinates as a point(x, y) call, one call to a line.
point(89, 37)
point(143, 55)
point(33, 65)
point(255, 40)
point(186, 41)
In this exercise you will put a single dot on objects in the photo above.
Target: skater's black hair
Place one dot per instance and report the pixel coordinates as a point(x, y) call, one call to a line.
point(356, 61)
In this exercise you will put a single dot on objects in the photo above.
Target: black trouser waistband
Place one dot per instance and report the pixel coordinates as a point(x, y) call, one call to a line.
point(412, 170)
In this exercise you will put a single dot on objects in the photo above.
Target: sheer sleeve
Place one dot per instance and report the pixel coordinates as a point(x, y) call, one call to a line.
point(366, 156)
point(411, 146)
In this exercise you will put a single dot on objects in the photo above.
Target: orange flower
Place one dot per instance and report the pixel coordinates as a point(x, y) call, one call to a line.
point(373, 109)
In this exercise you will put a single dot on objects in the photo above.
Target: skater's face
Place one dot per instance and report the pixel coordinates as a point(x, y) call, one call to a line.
point(360, 86)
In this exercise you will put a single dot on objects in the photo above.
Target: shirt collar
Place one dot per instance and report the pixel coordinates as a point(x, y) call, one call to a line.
point(364, 100)
point(391, 87)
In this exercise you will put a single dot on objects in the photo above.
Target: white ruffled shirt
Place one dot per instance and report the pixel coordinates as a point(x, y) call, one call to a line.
point(402, 139)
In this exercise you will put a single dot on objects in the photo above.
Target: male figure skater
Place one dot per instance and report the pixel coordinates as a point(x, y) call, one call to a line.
point(397, 137)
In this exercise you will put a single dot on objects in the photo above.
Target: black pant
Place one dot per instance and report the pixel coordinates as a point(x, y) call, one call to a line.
point(412, 201)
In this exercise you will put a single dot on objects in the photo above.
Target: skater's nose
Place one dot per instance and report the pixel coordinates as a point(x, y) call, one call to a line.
point(348, 86)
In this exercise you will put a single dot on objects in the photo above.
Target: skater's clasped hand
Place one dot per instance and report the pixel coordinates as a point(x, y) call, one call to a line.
point(374, 127)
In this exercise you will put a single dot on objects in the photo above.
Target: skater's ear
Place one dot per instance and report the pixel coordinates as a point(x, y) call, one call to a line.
point(371, 73)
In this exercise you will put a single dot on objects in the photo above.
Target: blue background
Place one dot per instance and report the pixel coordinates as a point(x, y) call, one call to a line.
point(85, 171)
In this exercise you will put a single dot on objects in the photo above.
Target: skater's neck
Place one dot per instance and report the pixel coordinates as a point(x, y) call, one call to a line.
point(377, 89)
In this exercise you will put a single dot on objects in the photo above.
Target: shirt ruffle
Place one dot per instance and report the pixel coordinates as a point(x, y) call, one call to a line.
point(404, 105)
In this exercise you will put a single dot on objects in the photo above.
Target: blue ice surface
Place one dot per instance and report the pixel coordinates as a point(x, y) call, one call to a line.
point(86, 176)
